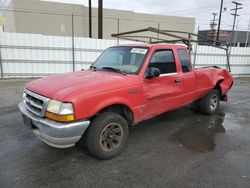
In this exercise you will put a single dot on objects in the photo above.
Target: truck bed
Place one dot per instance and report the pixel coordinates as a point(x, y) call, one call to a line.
point(209, 77)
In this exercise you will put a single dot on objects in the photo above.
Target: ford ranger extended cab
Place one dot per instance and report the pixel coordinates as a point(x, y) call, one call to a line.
point(126, 85)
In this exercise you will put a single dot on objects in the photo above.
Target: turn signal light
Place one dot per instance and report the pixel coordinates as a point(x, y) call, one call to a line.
point(60, 118)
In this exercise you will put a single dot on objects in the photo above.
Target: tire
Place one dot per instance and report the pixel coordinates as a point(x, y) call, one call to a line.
point(107, 135)
point(210, 103)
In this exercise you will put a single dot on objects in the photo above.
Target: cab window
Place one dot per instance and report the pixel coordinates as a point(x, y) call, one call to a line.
point(164, 61)
point(184, 60)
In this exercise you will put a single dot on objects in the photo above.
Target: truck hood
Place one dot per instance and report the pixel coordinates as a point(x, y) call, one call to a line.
point(72, 86)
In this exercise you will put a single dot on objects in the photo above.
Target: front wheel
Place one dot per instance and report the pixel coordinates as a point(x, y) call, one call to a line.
point(210, 103)
point(107, 135)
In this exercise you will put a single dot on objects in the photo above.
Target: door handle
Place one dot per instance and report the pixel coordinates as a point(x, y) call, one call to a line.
point(178, 80)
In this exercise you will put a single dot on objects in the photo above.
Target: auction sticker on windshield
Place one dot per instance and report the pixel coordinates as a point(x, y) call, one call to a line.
point(139, 50)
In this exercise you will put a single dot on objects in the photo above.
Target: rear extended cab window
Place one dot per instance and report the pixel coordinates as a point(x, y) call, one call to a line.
point(164, 61)
point(184, 60)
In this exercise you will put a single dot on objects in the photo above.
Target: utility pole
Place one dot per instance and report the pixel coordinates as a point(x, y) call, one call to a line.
point(90, 19)
point(218, 30)
point(100, 20)
point(246, 43)
point(236, 32)
point(235, 15)
point(213, 24)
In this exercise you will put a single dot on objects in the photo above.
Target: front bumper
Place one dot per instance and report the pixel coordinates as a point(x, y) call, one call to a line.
point(56, 134)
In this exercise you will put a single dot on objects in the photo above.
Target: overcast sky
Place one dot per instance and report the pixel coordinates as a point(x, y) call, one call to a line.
point(200, 9)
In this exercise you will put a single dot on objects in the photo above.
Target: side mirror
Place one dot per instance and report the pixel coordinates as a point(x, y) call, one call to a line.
point(152, 72)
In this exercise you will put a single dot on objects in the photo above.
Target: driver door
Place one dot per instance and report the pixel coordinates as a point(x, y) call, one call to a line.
point(162, 93)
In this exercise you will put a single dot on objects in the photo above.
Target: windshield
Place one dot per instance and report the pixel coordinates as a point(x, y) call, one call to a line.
point(123, 59)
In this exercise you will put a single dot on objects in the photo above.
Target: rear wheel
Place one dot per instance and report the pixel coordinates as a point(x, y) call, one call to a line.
point(210, 103)
point(107, 135)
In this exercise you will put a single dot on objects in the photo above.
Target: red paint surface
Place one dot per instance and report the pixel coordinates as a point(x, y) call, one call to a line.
point(91, 91)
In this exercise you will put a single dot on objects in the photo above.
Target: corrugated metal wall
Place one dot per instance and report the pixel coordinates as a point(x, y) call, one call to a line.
point(209, 56)
point(33, 55)
point(38, 55)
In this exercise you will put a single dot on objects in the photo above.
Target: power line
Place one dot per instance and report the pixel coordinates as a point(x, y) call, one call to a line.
point(191, 10)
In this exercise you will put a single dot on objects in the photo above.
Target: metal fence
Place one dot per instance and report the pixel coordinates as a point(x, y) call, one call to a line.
point(209, 56)
point(35, 55)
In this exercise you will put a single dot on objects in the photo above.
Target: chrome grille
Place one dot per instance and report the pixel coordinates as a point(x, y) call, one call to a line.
point(35, 103)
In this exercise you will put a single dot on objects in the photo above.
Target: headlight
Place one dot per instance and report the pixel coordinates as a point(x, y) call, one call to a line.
point(54, 106)
point(59, 111)
point(66, 108)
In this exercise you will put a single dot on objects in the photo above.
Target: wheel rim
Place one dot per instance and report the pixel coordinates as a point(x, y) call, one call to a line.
point(111, 137)
point(213, 103)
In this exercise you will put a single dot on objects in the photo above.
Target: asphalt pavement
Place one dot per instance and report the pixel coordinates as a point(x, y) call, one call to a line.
point(181, 148)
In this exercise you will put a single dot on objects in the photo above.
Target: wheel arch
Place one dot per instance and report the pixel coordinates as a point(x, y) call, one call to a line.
point(120, 108)
point(218, 86)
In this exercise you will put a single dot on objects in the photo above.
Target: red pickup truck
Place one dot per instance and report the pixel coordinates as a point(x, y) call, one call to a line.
point(126, 85)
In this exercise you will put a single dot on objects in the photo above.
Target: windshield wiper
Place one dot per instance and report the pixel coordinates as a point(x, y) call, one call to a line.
point(92, 67)
point(115, 70)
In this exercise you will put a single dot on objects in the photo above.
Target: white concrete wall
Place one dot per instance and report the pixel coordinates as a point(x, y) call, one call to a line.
point(38, 55)
point(42, 17)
